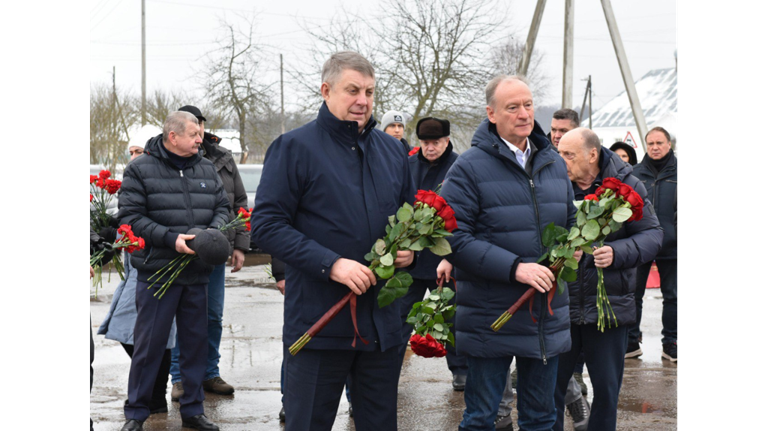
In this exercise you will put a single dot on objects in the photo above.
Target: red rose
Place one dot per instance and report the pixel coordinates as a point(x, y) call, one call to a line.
point(427, 347)
point(414, 151)
point(636, 201)
point(427, 197)
point(93, 178)
point(104, 174)
point(591, 198)
point(448, 216)
point(599, 192)
point(440, 203)
point(624, 191)
point(612, 183)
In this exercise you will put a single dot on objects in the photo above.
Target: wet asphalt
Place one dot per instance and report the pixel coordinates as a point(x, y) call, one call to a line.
point(251, 354)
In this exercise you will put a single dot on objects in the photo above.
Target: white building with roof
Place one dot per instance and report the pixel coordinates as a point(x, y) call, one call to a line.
point(657, 91)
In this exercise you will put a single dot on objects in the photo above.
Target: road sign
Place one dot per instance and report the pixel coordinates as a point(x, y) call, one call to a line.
point(629, 140)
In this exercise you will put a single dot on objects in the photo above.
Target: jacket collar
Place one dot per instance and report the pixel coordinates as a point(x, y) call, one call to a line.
point(155, 148)
point(345, 131)
point(440, 160)
point(487, 139)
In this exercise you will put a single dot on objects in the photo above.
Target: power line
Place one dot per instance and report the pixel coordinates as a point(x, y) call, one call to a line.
point(108, 13)
point(237, 10)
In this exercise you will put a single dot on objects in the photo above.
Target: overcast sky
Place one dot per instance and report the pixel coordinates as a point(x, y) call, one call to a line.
point(180, 32)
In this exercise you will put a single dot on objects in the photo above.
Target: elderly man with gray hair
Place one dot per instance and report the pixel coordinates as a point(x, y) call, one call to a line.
point(165, 192)
point(327, 190)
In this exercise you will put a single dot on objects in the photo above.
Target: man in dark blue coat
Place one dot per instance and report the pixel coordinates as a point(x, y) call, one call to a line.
point(429, 166)
point(505, 190)
point(658, 171)
point(165, 193)
point(589, 163)
point(326, 193)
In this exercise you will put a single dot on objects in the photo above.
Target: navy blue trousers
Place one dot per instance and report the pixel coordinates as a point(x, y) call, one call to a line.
point(456, 363)
point(314, 380)
point(604, 356)
point(668, 278)
point(153, 326)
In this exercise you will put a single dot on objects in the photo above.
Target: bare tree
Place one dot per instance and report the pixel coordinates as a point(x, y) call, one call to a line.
point(162, 103)
point(112, 114)
point(429, 56)
point(232, 76)
point(505, 59)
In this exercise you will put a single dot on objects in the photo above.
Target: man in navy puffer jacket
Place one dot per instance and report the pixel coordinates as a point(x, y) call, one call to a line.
point(637, 242)
point(504, 191)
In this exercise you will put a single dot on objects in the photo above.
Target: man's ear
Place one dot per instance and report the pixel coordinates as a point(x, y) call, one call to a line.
point(325, 90)
point(491, 114)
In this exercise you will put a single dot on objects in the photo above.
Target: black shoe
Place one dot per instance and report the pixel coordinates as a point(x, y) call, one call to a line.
point(669, 352)
point(159, 406)
point(633, 350)
point(579, 411)
point(132, 425)
point(199, 422)
point(459, 381)
point(504, 423)
point(282, 414)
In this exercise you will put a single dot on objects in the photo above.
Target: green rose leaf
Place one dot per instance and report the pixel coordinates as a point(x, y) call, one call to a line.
point(447, 294)
point(591, 230)
point(577, 242)
point(606, 230)
point(380, 247)
point(387, 260)
point(442, 232)
point(441, 248)
point(396, 231)
point(595, 212)
point(572, 263)
point(433, 297)
point(404, 244)
point(416, 246)
point(561, 284)
point(438, 326)
point(391, 220)
point(568, 274)
point(449, 313)
point(425, 229)
point(614, 226)
point(385, 272)
point(548, 235)
point(620, 215)
point(370, 256)
point(586, 248)
point(386, 296)
point(581, 219)
point(574, 233)
point(439, 318)
point(543, 258)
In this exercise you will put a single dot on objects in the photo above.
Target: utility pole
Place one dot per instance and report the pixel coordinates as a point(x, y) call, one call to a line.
point(143, 66)
point(568, 56)
point(534, 30)
point(282, 106)
point(626, 74)
point(587, 92)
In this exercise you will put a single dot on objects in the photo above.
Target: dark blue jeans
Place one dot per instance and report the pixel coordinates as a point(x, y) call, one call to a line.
point(535, 387)
point(668, 276)
point(314, 380)
point(215, 319)
point(456, 363)
point(604, 356)
point(153, 325)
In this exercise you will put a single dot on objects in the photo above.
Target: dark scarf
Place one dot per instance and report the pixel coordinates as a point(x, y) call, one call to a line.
point(658, 165)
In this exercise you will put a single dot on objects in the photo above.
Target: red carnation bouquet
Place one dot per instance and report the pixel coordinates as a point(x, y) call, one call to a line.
point(126, 240)
point(103, 190)
point(429, 319)
point(425, 224)
point(597, 216)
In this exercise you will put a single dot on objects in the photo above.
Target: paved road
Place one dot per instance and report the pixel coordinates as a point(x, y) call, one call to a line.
point(251, 355)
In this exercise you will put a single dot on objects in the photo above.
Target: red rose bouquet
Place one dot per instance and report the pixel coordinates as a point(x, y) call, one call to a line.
point(597, 216)
point(425, 224)
point(429, 319)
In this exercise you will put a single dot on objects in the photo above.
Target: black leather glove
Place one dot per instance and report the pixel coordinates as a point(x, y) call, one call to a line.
point(113, 222)
point(109, 234)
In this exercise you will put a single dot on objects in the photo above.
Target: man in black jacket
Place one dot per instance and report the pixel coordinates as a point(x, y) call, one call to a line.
point(589, 163)
point(165, 193)
point(239, 244)
point(658, 171)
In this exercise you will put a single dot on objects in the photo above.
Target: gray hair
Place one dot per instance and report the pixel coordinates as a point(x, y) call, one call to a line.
point(590, 139)
point(567, 114)
point(490, 89)
point(340, 61)
point(177, 122)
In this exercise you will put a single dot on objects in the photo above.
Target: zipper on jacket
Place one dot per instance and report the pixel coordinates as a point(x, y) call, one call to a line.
point(543, 312)
point(187, 199)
